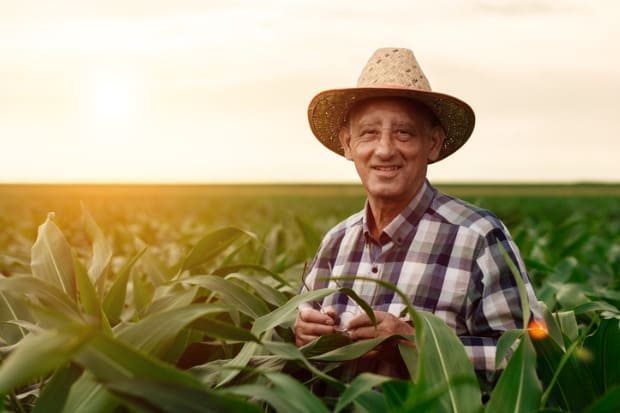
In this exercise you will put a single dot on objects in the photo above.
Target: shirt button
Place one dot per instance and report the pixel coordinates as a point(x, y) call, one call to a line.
point(374, 270)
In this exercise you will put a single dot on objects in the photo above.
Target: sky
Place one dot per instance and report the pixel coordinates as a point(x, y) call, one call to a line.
point(203, 91)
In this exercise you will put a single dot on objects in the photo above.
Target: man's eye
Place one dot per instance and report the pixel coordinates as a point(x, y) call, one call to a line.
point(368, 133)
point(404, 134)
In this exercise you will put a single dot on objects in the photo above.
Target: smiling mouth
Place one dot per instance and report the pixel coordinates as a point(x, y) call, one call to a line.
point(386, 168)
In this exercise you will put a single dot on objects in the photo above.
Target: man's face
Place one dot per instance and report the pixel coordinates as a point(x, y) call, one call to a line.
point(391, 141)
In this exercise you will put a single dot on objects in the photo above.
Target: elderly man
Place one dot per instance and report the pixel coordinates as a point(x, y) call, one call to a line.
point(441, 251)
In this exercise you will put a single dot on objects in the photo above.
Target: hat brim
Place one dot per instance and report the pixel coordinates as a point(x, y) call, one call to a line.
point(328, 110)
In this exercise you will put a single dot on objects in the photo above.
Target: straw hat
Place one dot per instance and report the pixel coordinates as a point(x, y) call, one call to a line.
point(390, 72)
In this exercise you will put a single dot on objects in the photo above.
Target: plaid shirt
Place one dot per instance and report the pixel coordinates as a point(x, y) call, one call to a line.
point(443, 253)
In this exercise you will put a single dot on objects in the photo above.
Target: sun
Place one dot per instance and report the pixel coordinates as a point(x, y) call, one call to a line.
point(112, 107)
point(114, 99)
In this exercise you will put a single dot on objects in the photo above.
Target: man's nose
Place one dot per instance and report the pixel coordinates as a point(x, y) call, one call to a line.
point(385, 145)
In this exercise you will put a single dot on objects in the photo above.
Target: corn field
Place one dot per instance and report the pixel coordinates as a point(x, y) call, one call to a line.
point(182, 299)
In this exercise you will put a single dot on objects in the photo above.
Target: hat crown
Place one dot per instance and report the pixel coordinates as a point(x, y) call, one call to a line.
point(393, 67)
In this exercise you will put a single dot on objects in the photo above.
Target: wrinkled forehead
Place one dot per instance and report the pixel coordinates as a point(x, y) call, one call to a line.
point(418, 111)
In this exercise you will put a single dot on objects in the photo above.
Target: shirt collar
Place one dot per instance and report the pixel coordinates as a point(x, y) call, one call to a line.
point(405, 222)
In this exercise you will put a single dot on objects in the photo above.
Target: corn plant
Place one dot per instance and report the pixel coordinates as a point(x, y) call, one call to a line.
point(87, 330)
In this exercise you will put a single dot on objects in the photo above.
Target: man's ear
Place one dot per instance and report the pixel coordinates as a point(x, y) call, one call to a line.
point(437, 136)
point(345, 140)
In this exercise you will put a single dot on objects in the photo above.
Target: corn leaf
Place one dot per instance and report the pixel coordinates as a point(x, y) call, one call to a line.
point(223, 331)
point(286, 394)
point(47, 294)
point(51, 259)
point(114, 300)
point(504, 344)
point(229, 269)
point(603, 348)
point(518, 389)
point(39, 354)
point(88, 395)
point(265, 291)
point(443, 362)
point(12, 310)
point(211, 245)
point(354, 350)
point(608, 403)
point(363, 383)
point(109, 359)
point(163, 397)
point(56, 391)
point(102, 250)
point(155, 333)
point(284, 313)
point(231, 293)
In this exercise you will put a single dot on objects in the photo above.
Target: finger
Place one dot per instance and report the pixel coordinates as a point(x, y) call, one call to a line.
point(362, 333)
point(316, 317)
point(311, 328)
point(359, 321)
point(302, 340)
point(330, 311)
point(371, 355)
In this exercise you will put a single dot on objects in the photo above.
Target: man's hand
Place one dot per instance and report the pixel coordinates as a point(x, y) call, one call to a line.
point(361, 327)
point(311, 324)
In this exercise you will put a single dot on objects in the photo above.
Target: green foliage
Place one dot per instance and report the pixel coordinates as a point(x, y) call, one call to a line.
point(159, 311)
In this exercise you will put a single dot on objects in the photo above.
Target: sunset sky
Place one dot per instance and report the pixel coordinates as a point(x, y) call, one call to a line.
point(217, 91)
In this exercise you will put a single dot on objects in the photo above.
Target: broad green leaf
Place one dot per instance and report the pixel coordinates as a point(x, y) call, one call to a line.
point(361, 384)
point(552, 325)
point(211, 245)
point(603, 350)
point(518, 389)
point(168, 297)
point(229, 269)
point(311, 237)
point(354, 350)
point(51, 259)
point(160, 396)
point(285, 395)
point(38, 354)
point(232, 367)
point(565, 379)
point(88, 395)
point(568, 324)
point(504, 344)
point(86, 290)
point(265, 291)
point(88, 296)
point(11, 310)
point(324, 344)
point(284, 313)
point(595, 306)
point(442, 359)
point(443, 362)
point(115, 299)
point(525, 305)
point(102, 250)
point(142, 293)
point(363, 304)
point(223, 331)
point(155, 333)
point(289, 351)
point(608, 403)
point(110, 359)
point(156, 271)
point(230, 293)
point(47, 294)
point(56, 390)
point(405, 396)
